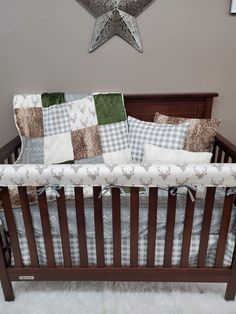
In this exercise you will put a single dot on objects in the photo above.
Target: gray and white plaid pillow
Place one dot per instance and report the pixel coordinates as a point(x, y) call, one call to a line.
point(163, 135)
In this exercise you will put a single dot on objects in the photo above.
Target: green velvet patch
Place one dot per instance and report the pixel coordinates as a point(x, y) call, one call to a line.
point(51, 99)
point(109, 108)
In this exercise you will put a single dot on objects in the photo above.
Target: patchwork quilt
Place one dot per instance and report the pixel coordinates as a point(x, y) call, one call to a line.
point(72, 128)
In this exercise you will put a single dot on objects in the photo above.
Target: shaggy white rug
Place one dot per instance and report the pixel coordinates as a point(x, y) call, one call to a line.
point(115, 298)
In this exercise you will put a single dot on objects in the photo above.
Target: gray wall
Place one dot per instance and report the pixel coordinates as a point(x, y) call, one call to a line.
point(189, 46)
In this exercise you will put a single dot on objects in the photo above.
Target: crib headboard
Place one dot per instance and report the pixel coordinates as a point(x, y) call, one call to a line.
point(194, 105)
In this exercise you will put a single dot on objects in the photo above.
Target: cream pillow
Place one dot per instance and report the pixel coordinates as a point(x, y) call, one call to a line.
point(153, 153)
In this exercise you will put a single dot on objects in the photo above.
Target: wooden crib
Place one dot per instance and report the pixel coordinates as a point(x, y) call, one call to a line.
point(143, 107)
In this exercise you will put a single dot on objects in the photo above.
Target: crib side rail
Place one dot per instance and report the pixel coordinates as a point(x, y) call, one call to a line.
point(10, 152)
point(150, 270)
point(223, 150)
point(151, 260)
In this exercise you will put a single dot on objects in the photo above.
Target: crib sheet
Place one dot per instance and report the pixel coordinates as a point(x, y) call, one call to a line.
point(125, 250)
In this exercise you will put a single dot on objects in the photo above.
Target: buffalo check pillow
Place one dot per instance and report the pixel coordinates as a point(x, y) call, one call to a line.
point(163, 135)
point(201, 132)
point(72, 128)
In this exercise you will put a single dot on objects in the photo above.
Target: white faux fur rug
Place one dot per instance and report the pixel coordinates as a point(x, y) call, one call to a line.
point(116, 298)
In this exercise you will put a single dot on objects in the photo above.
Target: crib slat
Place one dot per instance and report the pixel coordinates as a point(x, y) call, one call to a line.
point(214, 153)
point(29, 229)
point(11, 225)
point(219, 156)
point(16, 153)
point(134, 221)
point(224, 228)
point(188, 225)
point(64, 231)
point(152, 224)
point(81, 227)
point(226, 158)
point(47, 235)
point(116, 225)
point(10, 159)
point(206, 225)
point(170, 225)
point(99, 233)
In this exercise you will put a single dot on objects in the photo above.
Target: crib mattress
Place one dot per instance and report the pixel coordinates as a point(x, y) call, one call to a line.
point(125, 230)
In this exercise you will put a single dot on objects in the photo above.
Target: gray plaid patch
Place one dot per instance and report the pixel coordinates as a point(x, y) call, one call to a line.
point(73, 97)
point(91, 160)
point(114, 136)
point(56, 120)
point(168, 136)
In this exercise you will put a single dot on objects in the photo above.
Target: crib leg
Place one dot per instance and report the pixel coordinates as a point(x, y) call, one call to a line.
point(230, 291)
point(7, 287)
point(231, 285)
point(5, 281)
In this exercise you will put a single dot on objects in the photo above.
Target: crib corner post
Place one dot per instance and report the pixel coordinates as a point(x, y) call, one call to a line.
point(4, 278)
point(231, 284)
point(230, 291)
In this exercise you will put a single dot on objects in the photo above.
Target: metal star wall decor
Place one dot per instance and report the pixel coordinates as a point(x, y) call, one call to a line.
point(115, 17)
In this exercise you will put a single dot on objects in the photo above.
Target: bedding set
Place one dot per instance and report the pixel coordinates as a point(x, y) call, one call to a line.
point(103, 146)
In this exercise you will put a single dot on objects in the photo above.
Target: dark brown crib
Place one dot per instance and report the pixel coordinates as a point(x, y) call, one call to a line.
point(142, 107)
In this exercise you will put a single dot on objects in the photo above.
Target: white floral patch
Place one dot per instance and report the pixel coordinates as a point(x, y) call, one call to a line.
point(27, 101)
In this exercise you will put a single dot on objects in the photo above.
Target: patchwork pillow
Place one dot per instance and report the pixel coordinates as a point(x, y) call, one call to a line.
point(67, 128)
point(201, 132)
point(162, 135)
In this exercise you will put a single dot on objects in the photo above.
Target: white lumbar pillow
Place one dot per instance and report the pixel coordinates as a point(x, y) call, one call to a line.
point(155, 154)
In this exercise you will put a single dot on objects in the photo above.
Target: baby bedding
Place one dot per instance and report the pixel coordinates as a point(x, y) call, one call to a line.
point(60, 128)
point(79, 128)
point(201, 132)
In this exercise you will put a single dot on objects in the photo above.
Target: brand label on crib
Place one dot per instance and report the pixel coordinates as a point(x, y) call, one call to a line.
point(26, 277)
